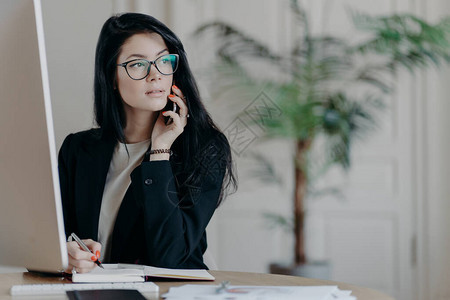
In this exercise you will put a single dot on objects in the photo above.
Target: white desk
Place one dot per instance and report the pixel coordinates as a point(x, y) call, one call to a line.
point(235, 278)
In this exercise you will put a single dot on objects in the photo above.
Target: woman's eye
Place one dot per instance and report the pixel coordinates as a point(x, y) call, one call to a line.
point(137, 65)
point(164, 60)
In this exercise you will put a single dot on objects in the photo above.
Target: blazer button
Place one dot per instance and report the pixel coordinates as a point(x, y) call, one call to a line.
point(148, 181)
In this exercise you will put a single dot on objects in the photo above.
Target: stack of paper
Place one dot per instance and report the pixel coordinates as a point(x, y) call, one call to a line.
point(213, 292)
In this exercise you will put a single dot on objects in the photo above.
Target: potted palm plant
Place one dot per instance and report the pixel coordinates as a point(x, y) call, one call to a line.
point(327, 88)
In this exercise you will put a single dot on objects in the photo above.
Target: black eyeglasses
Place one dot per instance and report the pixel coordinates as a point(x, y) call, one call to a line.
point(138, 69)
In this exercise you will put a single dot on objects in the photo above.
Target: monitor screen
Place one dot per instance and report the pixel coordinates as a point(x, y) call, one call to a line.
point(31, 221)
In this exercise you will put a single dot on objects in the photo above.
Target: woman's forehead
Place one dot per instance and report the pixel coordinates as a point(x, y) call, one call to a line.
point(147, 45)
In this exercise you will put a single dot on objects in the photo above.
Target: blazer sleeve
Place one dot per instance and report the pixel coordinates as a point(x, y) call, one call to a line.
point(174, 227)
point(67, 196)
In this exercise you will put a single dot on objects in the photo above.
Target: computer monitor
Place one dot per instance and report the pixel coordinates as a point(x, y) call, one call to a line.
point(31, 220)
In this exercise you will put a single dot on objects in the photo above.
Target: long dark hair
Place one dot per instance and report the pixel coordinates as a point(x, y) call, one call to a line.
point(202, 148)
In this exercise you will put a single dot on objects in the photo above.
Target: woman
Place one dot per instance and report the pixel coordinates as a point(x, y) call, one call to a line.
point(143, 186)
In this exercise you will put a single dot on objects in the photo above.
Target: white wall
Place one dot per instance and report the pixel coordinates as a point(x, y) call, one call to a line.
point(433, 211)
point(436, 204)
point(71, 32)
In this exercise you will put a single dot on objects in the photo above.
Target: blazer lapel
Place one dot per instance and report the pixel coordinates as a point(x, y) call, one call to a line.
point(127, 238)
point(128, 215)
point(93, 166)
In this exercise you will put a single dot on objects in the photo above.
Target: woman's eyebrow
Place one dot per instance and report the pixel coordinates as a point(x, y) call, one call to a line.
point(160, 52)
point(145, 56)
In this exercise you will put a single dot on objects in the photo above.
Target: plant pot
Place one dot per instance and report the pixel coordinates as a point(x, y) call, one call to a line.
point(317, 270)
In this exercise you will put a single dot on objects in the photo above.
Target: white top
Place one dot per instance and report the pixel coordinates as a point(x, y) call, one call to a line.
point(117, 182)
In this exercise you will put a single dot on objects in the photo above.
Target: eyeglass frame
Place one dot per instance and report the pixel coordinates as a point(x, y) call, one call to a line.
point(151, 62)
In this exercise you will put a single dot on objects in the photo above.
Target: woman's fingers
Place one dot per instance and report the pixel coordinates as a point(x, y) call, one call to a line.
point(178, 92)
point(95, 247)
point(81, 260)
point(81, 264)
point(180, 103)
point(179, 99)
point(76, 252)
point(176, 119)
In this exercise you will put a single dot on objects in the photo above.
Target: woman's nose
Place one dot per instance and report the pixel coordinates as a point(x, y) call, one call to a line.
point(154, 74)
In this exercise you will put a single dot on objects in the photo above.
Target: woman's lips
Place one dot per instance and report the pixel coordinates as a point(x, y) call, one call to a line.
point(155, 93)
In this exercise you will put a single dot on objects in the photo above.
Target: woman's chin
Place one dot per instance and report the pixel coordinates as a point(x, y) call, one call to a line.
point(158, 104)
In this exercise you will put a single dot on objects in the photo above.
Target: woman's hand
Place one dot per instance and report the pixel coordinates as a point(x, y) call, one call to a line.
point(81, 260)
point(164, 135)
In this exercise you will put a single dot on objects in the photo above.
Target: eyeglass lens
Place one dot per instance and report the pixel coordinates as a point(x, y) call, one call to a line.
point(140, 68)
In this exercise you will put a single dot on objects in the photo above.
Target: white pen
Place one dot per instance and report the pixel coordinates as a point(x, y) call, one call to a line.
point(83, 245)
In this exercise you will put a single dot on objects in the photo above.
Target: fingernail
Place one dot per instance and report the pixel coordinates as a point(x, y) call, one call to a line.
point(171, 96)
point(174, 86)
point(97, 253)
point(164, 112)
point(93, 258)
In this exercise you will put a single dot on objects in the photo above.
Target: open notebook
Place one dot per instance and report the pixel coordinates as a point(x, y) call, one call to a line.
point(137, 273)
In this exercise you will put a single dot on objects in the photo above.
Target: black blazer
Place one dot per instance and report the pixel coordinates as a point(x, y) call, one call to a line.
point(151, 227)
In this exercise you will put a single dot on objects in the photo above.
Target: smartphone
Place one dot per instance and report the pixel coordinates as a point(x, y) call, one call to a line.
point(170, 106)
